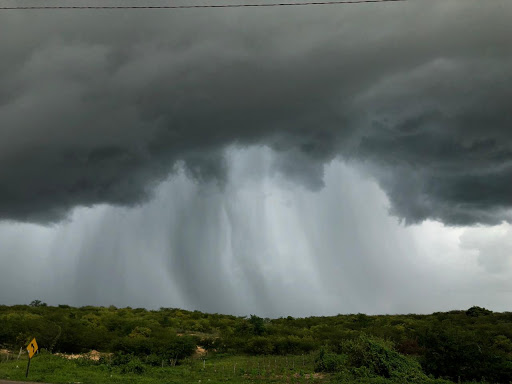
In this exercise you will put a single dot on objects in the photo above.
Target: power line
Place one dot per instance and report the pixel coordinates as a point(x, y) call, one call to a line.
point(48, 7)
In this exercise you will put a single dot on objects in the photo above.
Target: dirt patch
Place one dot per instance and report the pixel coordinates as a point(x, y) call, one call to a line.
point(71, 356)
point(200, 352)
point(310, 376)
point(93, 355)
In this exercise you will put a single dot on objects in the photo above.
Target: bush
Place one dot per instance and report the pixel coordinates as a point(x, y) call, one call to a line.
point(85, 362)
point(455, 352)
point(169, 347)
point(120, 358)
point(133, 366)
point(154, 360)
point(329, 362)
point(477, 311)
point(259, 346)
point(370, 356)
point(258, 325)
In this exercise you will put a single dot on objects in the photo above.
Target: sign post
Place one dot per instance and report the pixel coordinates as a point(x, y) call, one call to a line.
point(28, 366)
point(32, 349)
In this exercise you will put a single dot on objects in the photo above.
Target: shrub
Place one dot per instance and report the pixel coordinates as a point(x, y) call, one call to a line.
point(455, 352)
point(133, 366)
point(259, 346)
point(477, 311)
point(329, 362)
point(153, 360)
point(370, 356)
point(120, 358)
point(85, 362)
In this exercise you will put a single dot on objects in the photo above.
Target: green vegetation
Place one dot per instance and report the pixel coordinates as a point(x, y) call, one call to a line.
point(138, 345)
point(214, 369)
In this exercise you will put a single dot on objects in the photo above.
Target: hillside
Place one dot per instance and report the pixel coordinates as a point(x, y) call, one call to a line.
point(458, 345)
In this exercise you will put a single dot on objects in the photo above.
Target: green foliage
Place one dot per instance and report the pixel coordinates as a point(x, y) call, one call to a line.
point(473, 344)
point(121, 358)
point(155, 360)
point(167, 346)
point(456, 353)
point(216, 369)
point(85, 362)
point(259, 346)
point(258, 325)
point(127, 363)
point(477, 311)
point(37, 303)
point(379, 357)
point(329, 362)
point(133, 366)
point(370, 359)
point(503, 343)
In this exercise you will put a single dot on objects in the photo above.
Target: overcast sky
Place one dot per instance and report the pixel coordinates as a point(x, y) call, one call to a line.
point(280, 161)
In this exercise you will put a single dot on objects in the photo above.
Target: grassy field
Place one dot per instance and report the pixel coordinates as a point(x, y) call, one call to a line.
point(215, 369)
point(212, 369)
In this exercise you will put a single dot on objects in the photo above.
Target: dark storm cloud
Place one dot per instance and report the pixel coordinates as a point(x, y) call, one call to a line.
point(443, 149)
point(98, 107)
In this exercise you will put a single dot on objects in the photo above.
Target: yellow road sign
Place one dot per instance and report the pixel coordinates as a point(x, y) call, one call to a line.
point(32, 348)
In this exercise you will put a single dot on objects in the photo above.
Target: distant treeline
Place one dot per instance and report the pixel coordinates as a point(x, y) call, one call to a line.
point(458, 345)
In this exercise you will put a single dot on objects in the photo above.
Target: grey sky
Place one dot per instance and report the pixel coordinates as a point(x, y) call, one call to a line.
point(138, 148)
point(260, 244)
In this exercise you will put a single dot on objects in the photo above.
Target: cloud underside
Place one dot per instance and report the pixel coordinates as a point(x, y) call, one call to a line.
point(93, 110)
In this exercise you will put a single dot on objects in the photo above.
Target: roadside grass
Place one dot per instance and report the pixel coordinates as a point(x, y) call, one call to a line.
point(212, 369)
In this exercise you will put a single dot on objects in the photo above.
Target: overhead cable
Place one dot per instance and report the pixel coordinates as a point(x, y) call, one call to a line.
point(253, 5)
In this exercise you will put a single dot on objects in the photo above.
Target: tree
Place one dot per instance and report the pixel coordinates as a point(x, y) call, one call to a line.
point(258, 325)
point(37, 303)
point(477, 311)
